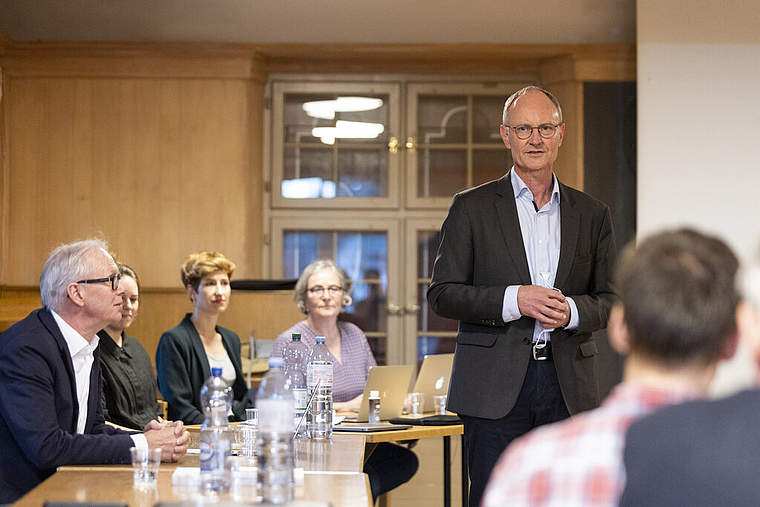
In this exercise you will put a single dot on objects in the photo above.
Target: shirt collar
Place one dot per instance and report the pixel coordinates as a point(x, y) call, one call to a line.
point(520, 188)
point(74, 340)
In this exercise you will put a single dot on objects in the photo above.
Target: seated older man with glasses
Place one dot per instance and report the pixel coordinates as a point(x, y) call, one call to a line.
point(50, 380)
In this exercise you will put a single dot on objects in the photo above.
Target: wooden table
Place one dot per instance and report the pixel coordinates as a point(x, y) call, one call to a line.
point(417, 432)
point(111, 484)
point(332, 473)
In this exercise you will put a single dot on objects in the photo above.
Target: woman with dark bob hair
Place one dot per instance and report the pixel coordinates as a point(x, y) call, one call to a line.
point(322, 293)
point(186, 353)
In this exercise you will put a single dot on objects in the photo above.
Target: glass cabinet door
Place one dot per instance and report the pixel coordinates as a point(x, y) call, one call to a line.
point(453, 140)
point(334, 144)
point(363, 253)
point(431, 334)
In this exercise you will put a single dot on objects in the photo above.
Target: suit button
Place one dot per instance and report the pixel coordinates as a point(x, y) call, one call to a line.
point(526, 341)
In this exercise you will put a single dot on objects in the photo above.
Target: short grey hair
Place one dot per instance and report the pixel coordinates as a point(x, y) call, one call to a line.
point(299, 293)
point(65, 265)
point(519, 93)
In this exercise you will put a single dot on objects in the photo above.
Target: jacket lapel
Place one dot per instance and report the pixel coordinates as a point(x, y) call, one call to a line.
point(510, 227)
point(195, 340)
point(570, 225)
point(49, 322)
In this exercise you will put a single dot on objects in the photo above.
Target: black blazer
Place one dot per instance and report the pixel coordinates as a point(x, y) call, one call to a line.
point(39, 409)
point(480, 254)
point(701, 453)
point(182, 367)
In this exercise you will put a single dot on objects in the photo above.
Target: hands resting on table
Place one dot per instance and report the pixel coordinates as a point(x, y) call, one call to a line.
point(170, 436)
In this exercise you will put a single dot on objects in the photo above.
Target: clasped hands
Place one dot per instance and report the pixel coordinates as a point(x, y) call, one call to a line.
point(548, 306)
point(170, 436)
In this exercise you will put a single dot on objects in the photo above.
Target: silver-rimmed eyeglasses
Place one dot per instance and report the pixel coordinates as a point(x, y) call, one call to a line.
point(113, 279)
point(333, 290)
point(545, 130)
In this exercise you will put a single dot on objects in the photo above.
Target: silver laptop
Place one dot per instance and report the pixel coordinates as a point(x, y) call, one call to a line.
point(391, 382)
point(433, 379)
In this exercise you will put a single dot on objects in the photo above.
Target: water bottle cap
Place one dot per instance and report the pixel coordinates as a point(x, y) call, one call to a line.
point(296, 337)
point(320, 339)
point(374, 394)
point(275, 362)
point(216, 371)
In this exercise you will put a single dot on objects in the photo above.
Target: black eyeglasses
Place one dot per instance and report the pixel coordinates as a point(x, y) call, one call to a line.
point(333, 290)
point(545, 130)
point(113, 279)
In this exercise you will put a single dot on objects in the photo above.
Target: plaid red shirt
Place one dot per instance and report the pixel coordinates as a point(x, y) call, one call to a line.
point(576, 462)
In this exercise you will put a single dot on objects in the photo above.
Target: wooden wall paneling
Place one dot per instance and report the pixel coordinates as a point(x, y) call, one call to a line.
point(16, 303)
point(254, 238)
point(153, 165)
point(266, 313)
point(559, 77)
point(4, 169)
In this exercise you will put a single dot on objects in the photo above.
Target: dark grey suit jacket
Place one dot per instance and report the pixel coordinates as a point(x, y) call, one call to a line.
point(39, 409)
point(182, 367)
point(702, 453)
point(480, 254)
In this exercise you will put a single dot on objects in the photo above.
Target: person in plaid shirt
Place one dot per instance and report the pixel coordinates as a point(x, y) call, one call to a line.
point(675, 322)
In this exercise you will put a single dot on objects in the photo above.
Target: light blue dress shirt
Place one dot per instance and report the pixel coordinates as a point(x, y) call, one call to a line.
point(541, 238)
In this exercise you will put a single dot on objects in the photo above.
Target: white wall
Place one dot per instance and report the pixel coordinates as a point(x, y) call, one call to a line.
point(699, 127)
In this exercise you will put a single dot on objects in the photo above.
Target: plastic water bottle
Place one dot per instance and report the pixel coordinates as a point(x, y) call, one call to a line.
point(294, 355)
point(319, 372)
point(374, 407)
point(275, 445)
point(216, 435)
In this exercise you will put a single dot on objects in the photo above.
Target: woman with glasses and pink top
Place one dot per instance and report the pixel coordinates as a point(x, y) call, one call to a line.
point(322, 293)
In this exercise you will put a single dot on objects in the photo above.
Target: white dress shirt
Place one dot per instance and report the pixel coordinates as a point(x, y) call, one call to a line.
point(541, 235)
point(82, 356)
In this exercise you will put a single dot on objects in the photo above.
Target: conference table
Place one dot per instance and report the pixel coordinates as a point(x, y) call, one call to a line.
point(416, 432)
point(332, 474)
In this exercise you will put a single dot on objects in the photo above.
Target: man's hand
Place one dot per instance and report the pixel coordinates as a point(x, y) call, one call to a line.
point(548, 306)
point(170, 436)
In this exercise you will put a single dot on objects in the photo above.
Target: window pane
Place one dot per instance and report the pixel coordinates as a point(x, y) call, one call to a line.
point(301, 248)
point(364, 256)
point(368, 309)
point(427, 319)
point(335, 145)
point(490, 165)
point(362, 172)
point(442, 119)
point(308, 173)
point(326, 110)
point(441, 173)
point(434, 345)
point(486, 118)
point(427, 248)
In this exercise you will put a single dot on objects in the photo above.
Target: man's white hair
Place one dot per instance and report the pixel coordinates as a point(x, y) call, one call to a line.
point(65, 265)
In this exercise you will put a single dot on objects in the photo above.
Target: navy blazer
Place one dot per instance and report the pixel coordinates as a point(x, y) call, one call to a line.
point(480, 254)
point(182, 367)
point(39, 409)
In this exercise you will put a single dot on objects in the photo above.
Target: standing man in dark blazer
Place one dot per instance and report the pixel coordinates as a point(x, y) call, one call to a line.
point(50, 381)
point(525, 264)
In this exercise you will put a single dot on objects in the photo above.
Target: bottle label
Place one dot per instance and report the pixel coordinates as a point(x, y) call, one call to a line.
point(301, 398)
point(214, 451)
point(317, 372)
point(275, 416)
